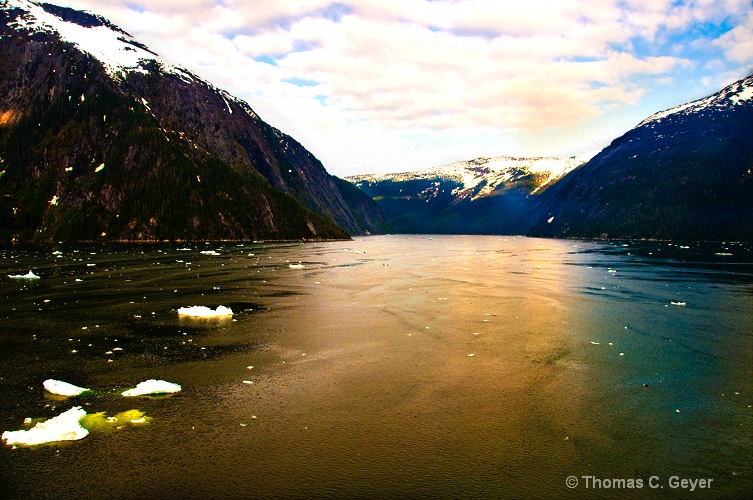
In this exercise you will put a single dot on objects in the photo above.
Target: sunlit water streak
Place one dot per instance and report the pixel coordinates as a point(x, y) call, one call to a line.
point(362, 382)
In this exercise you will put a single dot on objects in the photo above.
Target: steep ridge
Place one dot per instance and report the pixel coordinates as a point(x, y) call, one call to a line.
point(683, 173)
point(100, 139)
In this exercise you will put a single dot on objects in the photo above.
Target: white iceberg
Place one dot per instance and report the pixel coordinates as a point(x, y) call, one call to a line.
point(152, 386)
point(204, 311)
point(64, 427)
point(62, 388)
point(28, 276)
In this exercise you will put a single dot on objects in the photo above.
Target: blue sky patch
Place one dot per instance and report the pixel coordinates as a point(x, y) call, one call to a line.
point(301, 82)
point(266, 58)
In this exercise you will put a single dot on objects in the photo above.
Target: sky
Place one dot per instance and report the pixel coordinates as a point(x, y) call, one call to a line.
point(378, 86)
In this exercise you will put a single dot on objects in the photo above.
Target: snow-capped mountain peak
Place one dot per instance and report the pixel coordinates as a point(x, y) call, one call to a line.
point(112, 46)
point(489, 171)
point(116, 49)
point(738, 93)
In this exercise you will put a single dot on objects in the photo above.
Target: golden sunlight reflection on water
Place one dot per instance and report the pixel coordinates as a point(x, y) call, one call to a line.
point(387, 367)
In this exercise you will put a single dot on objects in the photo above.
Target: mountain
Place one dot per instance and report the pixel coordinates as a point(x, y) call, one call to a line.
point(684, 173)
point(101, 140)
point(481, 196)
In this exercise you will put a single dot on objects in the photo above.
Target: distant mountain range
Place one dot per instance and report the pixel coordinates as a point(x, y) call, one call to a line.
point(683, 173)
point(101, 140)
point(481, 196)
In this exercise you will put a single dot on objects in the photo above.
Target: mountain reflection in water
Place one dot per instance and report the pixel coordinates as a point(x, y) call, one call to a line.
point(385, 367)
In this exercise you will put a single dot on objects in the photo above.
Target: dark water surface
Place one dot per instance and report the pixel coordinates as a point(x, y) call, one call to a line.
point(362, 383)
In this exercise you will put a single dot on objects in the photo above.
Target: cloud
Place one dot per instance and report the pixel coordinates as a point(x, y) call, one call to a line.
point(738, 42)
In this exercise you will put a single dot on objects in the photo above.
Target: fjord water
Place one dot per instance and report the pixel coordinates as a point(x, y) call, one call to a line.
point(385, 367)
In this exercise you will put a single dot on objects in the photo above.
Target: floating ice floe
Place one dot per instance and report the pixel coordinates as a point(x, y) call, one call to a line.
point(64, 427)
point(679, 303)
point(28, 276)
point(152, 386)
point(62, 388)
point(204, 311)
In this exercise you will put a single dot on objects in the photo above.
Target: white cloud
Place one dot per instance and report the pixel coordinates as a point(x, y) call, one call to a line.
point(738, 43)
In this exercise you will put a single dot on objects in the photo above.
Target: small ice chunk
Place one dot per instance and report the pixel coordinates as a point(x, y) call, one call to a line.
point(152, 386)
point(28, 276)
point(64, 427)
point(681, 304)
point(62, 388)
point(296, 266)
point(204, 311)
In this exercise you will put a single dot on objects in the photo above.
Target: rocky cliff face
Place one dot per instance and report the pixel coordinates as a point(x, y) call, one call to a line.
point(99, 139)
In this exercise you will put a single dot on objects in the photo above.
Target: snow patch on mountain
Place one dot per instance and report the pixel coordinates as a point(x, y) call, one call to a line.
point(738, 93)
point(116, 50)
point(492, 172)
